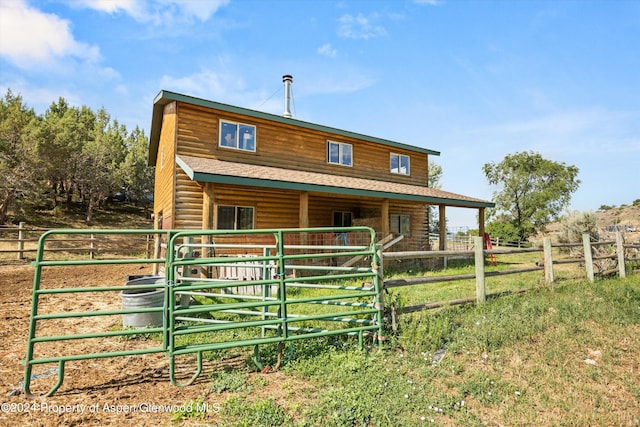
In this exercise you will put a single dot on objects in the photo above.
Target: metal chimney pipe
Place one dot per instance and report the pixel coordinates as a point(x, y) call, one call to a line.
point(287, 80)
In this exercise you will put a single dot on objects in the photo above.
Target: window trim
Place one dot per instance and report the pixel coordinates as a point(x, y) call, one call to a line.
point(400, 156)
point(235, 217)
point(236, 145)
point(340, 152)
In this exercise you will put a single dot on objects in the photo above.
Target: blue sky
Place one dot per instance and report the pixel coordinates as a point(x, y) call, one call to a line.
point(475, 80)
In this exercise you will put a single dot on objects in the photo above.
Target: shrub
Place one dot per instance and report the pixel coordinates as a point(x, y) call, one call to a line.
point(574, 225)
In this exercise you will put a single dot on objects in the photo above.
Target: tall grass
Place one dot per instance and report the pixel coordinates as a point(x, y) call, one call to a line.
point(567, 356)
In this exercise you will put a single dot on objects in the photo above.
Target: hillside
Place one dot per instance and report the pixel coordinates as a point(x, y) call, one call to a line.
point(624, 215)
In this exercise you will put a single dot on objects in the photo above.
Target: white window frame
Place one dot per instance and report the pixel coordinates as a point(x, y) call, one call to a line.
point(399, 169)
point(341, 148)
point(236, 143)
point(236, 217)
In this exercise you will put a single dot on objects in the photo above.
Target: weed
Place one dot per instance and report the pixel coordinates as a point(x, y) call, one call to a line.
point(229, 380)
point(264, 413)
point(194, 409)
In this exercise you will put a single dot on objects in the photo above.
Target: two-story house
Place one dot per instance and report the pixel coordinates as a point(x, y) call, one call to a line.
point(220, 166)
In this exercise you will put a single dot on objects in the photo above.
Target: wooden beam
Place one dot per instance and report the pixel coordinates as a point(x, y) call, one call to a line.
point(208, 223)
point(384, 213)
point(442, 224)
point(207, 206)
point(481, 213)
point(303, 221)
point(386, 243)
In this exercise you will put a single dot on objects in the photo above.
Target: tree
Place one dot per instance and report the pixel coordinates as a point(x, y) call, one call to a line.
point(136, 170)
point(64, 132)
point(433, 181)
point(18, 164)
point(102, 157)
point(534, 191)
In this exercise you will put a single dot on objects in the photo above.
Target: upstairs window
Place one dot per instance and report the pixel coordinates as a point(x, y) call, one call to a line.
point(400, 224)
point(400, 164)
point(237, 135)
point(235, 218)
point(339, 153)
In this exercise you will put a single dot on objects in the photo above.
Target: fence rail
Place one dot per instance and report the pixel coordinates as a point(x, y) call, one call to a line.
point(480, 254)
point(27, 237)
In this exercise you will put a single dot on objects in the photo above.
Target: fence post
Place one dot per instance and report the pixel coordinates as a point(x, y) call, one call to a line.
point(548, 261)
point(378, 268)
point(157, 248)
point(481, 291)
point(91, 247)
point(620, 251)
point(21, 237)
point(588, 257)
point(187, 270)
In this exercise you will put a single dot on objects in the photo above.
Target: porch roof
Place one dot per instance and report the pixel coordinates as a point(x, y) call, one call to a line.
point(224, 172)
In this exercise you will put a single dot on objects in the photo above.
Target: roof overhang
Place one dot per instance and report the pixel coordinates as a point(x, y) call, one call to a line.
point(224, 172)
point(165, 97)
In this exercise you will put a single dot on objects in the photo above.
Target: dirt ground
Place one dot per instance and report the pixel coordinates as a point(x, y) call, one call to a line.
point(119, 390)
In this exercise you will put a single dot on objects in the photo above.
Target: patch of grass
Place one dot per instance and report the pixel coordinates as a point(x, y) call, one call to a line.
point(229, 381)
point(242, 413)
point(192, 410)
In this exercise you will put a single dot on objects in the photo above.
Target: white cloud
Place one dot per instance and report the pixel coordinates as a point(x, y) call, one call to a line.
point(158, 12)
point(209, 84)
point(327, 50)
point(360, 27)
point(134, 8)
point(30, 38)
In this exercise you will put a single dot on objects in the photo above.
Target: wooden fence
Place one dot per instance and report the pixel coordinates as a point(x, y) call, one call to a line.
point(23, 240)
point(589, 258)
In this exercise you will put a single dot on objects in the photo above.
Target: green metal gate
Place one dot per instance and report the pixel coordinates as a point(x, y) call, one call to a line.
point(226, 289)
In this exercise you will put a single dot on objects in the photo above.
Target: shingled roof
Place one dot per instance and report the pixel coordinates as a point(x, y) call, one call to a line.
point(224, 172)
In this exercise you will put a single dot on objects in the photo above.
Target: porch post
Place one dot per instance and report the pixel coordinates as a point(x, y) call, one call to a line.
point(384, 213)
point(208, 223)
point(207, 206)
point(481, 222)
point(442, 224)
point(303, 221)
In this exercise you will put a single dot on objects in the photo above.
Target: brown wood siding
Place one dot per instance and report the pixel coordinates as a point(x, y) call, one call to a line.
point(291, 147)
point(188, 206)
point(416, 241)
point(273, 208)
point(165, 167)
point(193, 130)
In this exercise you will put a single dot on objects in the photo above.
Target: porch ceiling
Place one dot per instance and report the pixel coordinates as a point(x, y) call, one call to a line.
point(223, 172)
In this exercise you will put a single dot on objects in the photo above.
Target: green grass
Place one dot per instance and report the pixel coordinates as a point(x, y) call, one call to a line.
point(567, 356)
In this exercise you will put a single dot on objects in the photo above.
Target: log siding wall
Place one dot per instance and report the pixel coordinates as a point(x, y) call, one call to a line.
point(290, 147)
point(164, 185)
point(194, 130)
